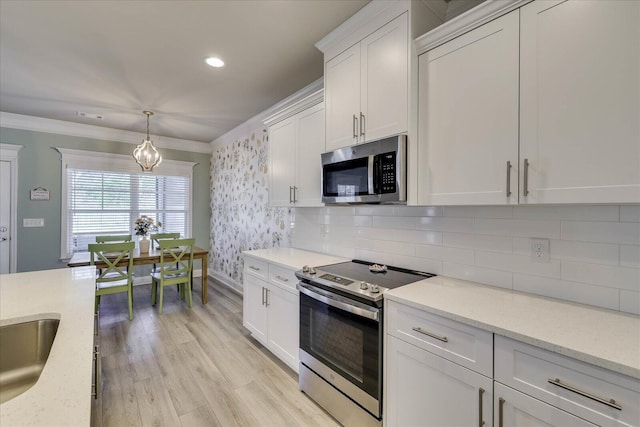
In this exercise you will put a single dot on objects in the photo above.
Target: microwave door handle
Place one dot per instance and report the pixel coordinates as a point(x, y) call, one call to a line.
point(370, 177)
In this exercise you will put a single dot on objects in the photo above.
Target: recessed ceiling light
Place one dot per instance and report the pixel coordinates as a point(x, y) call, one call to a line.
point(214, 62)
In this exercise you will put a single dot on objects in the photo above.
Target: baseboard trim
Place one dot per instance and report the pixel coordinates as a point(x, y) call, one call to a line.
point(226, 281)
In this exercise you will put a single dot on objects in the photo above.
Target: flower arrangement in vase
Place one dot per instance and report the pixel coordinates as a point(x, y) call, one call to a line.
point(143, 226)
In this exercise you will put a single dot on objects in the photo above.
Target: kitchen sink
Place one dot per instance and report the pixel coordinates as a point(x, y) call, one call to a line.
point(24, 349)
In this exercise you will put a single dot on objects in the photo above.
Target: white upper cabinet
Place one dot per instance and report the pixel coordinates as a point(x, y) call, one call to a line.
point(580, 102)
point(342, 99)
point(468, 118)
point(555, 93)
point(366, 87)
point(295, 144)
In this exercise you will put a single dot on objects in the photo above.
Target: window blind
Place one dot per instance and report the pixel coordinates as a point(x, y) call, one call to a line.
point(106, 202)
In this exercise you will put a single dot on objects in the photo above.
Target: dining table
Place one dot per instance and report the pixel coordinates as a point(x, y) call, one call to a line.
point(80, 259)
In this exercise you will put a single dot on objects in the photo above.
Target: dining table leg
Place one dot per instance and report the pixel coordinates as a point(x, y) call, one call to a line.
point(204, 279)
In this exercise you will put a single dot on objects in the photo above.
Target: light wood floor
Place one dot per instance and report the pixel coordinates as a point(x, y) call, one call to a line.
point(192, 368)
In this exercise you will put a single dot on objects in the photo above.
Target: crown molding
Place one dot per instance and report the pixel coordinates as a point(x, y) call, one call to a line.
point(290, 110)
point(60, 127)
point(257, 121)
point(467, 21)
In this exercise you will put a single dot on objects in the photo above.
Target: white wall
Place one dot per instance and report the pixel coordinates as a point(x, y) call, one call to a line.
point(595, 250)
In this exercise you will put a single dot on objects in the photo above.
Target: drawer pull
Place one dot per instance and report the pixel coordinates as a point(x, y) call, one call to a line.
point(284, 279)
point(500, 412)
point(254, 268)
point(429, 334)
point(611, 402)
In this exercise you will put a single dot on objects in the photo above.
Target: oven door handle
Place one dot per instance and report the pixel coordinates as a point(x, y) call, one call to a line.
point(339, 302)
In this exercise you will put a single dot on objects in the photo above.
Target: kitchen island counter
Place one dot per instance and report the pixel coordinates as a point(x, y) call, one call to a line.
point(601, 337)
point(62, 394)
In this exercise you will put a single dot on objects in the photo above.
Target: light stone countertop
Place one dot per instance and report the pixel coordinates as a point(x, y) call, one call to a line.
point(604, 338)
point(294, 258)
point(62, 395)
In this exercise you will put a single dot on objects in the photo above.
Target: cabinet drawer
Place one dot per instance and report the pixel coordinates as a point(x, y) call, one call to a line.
point(256, 267)
point(583, 389)
point(282, 276)
point(461, 344)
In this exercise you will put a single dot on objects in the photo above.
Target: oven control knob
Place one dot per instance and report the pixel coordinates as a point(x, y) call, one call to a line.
point(305, 269)
point(364, 285)
point(375, 289)
point(312, 270)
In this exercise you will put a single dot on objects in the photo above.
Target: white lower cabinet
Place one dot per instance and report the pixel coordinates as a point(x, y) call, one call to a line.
point(270, 309)
point(427, 390)
point(513, 408)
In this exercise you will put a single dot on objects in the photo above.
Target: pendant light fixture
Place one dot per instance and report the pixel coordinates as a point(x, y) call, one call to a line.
point(146, 154)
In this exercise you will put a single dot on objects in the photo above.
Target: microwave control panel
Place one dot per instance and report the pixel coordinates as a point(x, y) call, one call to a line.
point(388, 176)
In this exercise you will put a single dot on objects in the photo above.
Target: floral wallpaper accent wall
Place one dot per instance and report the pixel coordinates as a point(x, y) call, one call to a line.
point(241, 218)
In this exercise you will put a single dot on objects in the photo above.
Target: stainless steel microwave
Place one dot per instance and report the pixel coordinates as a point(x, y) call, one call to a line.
point(373, 172)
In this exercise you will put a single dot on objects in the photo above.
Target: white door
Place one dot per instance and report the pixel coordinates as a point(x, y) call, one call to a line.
point(254, 310)
point(385, 81)
point(342, 99)
point(427, 390)
point(309, 146)
point(468, 118)
point(284, 315)
point(5, 217)
point(580, 102)
point(282, 142)
point(513, 408)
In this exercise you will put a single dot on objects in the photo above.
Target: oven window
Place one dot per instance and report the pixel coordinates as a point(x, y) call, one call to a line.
point(348, 178)
point(348, 344)
point(335, 340)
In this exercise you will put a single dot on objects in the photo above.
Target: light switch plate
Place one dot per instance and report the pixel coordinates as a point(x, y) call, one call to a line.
point(33, 222)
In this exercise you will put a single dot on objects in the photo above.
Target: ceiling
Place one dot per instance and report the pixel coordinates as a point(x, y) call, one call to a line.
point(117, 58)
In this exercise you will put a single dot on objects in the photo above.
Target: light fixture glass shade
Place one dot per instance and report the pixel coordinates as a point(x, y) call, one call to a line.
point(146, 154)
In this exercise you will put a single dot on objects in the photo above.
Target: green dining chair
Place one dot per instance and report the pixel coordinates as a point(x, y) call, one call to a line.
point(115, 273)
point(159, 236)
point(176, 265)
point(113, 238)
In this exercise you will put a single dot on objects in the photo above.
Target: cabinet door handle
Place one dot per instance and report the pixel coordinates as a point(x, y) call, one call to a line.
point(361, 124)
point(355, 126)
point(610, 402)
point(254, 268)
point(266, 297)
point(263, 302)
point(290, 195)
point(295, 194)
point(480, 420)
point(97, 365)
point(429, 334)
point(525, 185)
point(508, 179)
point(500, 410)
point(284, 279)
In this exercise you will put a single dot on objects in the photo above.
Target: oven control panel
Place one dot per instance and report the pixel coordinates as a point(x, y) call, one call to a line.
point(336, 279)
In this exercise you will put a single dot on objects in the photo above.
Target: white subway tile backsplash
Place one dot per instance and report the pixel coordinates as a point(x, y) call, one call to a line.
point(502, 279)
point(570, 291)
point(518, 263)
point(417, 211)
point(408, 222)
point(630, 213)
point(442, 253)
point(578, 213)
point(518, 227)
point(595, 250)
point(630, 256)
point(602, 275)
point(630, 302)
point(602, 232)
point(478, 211)
point(463, 225)
point(386, 246)
point(598, 253)
point(478, 241)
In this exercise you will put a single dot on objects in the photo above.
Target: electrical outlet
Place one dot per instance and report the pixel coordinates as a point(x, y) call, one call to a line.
point(540, 250)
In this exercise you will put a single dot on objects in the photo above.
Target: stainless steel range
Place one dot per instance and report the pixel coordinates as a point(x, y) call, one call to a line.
point(341, 331)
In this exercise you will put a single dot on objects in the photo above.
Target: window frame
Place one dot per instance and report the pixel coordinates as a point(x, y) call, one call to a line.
point(109, 162)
